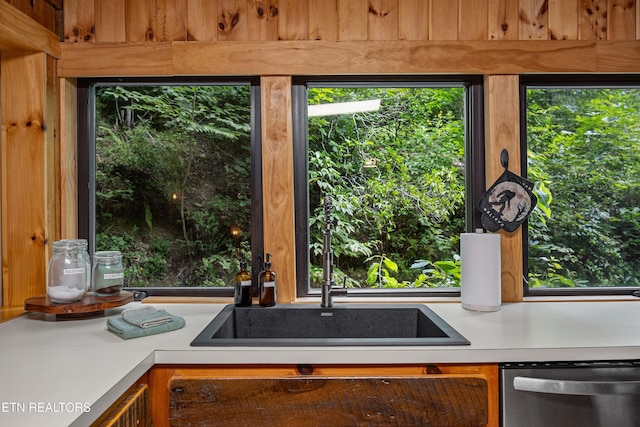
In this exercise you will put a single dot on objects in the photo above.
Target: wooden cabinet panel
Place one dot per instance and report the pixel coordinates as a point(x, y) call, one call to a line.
point(132, 409)
point(328, 401)
point(442, 395)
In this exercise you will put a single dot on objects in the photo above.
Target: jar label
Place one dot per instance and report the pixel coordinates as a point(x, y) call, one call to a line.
point(269, 284)
point(69, 271)
point(245, 283)
point(111, 276)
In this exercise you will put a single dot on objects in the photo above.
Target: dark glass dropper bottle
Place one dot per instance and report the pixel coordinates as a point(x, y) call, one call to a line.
point(267, 284)
point(243, 286)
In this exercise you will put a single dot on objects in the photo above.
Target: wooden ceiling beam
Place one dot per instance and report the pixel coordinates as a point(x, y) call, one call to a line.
point(342, 57)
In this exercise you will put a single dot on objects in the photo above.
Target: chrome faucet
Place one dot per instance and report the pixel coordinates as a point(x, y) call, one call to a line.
point(328, 284)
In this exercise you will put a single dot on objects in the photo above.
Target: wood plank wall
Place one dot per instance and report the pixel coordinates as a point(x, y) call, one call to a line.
point(276, 39)
point(27, 152)
point(272, 20)
point(47, 13)
point(28, 168)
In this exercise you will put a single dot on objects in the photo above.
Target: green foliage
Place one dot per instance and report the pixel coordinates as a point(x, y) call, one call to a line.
point(143, 262)
point(439, 273)
point(584, 150)
point(173, 169)
point(380, 273)
point(215, 271)
point(339, 276)
point(396, 177)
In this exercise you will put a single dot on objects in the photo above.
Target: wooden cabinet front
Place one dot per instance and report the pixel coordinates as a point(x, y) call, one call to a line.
point(306, 395)
point(132, 409)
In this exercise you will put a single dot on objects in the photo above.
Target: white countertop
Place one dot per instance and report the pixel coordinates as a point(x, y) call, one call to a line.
point(60, 373)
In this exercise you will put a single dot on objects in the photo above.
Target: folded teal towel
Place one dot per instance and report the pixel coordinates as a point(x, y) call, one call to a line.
point(146, 316)
point(126, 330)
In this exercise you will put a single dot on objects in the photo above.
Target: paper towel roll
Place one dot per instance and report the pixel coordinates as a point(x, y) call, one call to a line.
point(480, 277)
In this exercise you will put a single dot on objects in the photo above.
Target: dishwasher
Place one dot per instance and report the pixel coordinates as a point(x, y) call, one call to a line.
point(568, 394)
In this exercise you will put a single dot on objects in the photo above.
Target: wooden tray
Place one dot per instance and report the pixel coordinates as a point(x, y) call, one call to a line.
point(89, 306)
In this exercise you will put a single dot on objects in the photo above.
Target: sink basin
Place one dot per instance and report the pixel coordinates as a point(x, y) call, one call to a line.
point(341, 325)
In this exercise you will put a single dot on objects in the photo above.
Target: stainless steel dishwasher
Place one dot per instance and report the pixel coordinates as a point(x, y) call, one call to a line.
point(580, 394)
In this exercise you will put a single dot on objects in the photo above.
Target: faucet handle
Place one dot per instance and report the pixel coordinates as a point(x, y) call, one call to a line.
point(340, 291)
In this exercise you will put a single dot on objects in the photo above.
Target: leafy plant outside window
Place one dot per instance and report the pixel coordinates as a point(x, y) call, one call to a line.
point(173, 181)
point(583, 150)
point(397, 180)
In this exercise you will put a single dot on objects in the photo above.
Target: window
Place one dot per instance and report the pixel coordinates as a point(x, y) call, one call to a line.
point(173, 178)
point(582, 139)
point(403, 162)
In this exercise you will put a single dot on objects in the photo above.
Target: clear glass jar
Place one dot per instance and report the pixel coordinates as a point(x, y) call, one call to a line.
point(83, 248)
point(108, 273)
point(66, 273)
point(84, 253)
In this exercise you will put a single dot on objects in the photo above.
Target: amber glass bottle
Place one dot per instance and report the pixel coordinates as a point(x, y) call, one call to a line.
point(243, 290)
point(267, 284)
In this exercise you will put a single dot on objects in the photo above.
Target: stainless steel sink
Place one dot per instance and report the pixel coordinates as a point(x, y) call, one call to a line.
point(341, 325)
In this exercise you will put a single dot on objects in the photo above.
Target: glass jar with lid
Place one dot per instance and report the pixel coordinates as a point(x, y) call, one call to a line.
point(84, 254)
point(66, 273)
point(83, 248)
point(108, 273)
